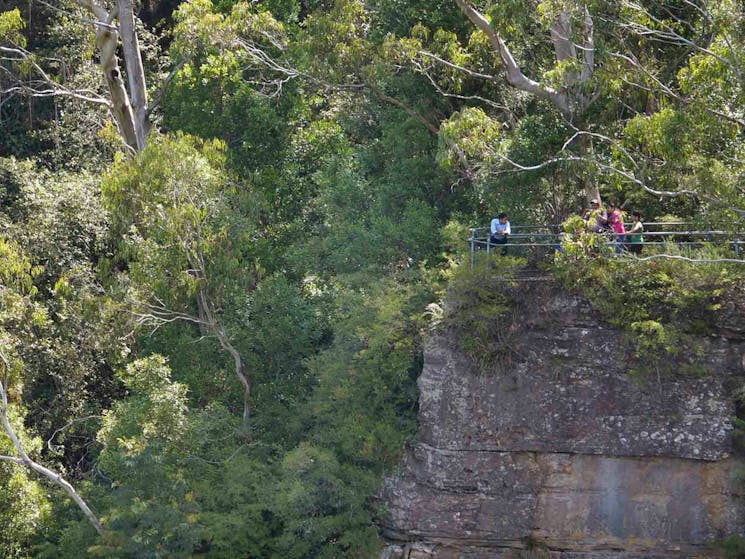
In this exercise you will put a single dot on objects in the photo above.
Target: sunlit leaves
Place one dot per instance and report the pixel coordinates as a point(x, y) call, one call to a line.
point(248, 43)
point(336, 39)
point(150, 510)
point(473, 132)
point(510, 17)
point(11, 25)
point(662, 134)
point(168, 205)
point(320, 502)
point(714, 78)
point(154, 412)
point(198, 28)
point(16, 272)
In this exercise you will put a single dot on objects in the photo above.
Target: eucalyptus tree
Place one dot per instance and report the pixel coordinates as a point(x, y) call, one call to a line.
point(567, 84)
point(36, 75)
point(616, 76)
point(181, 239)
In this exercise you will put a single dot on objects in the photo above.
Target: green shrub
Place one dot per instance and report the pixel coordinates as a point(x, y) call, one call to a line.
point(662, 305)
point(733, 547)
point(480, 310)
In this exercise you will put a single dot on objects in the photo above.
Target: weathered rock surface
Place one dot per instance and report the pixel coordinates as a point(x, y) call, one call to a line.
point(564, 448)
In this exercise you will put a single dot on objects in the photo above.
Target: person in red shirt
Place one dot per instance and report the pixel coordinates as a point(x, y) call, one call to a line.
point(615, 219)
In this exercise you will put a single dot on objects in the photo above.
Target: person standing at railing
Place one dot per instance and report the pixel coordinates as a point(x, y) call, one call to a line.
point(635, 236)
point(595, 218)
point(615, 219)
point(500, 230)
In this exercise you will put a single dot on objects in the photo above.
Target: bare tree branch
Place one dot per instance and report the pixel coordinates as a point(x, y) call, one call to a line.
point(666, 90)
point(53, 88)
point(633, 177)
point(454, 66)
point(666, 33)
point(693, 260)
point(23, 457)
point(66, 425)
point(425, 72)
point(157, 98)
point(515, 76)
point(636, 179)
point(156, 313)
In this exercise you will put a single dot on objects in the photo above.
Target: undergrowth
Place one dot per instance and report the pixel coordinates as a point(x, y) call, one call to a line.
point(663, 306)
point(481, 310)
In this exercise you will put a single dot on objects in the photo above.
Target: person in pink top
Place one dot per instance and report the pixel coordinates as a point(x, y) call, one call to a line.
point(615, 219)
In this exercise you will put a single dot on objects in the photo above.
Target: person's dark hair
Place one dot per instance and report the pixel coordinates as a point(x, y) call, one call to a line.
point(500, 216)
point(636, 214)
point(611, 204)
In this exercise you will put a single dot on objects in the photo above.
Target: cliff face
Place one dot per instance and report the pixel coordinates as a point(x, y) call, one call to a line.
point(565, 451)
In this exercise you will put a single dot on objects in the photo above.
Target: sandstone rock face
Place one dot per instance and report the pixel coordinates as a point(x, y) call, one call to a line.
point(566, 451)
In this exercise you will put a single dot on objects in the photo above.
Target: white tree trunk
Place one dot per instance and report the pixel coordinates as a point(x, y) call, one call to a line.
point(571, 100)
point(106, 41)
point(515, 76)
point(135, 71)
point(564, 49)
point(132, 122)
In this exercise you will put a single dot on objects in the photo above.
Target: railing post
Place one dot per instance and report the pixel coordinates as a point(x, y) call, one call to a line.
point(473, 246)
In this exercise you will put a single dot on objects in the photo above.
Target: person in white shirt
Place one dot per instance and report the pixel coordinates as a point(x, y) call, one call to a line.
point(500, 230)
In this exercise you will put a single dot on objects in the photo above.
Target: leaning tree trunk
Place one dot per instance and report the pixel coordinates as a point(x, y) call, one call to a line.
point(135, 71)
point(132, 121)
point(106, 41)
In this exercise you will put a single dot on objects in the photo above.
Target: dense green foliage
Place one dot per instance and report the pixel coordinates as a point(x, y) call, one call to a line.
point(481, 310)
point(301, 205)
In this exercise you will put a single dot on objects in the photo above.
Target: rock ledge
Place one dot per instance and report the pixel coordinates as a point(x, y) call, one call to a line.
point(566, 452)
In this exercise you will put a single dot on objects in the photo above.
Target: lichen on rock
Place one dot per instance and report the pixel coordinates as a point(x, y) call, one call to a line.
point(565, 448)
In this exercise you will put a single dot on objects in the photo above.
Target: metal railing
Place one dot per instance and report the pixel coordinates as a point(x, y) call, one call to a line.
point(552, 236)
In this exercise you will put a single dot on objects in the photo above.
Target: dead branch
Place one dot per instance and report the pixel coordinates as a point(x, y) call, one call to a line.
point(33, 88)
point(24, 459)
point(454, 66)
point(66, 425)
